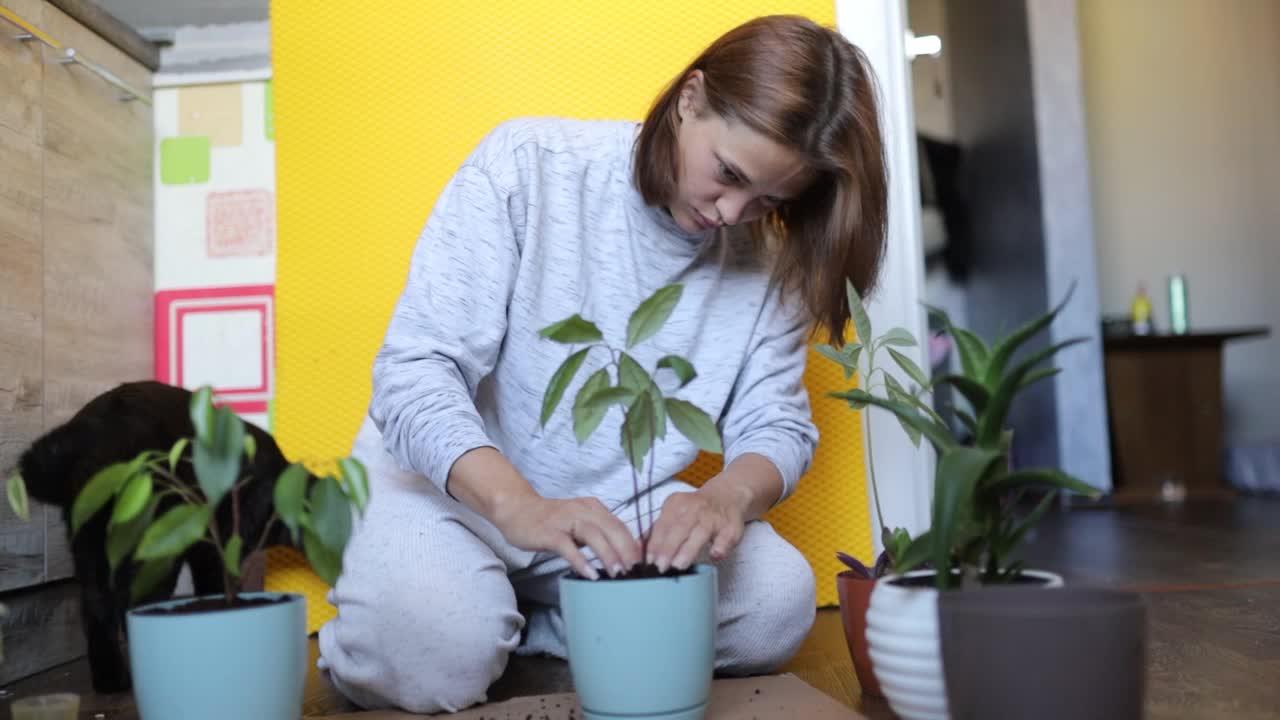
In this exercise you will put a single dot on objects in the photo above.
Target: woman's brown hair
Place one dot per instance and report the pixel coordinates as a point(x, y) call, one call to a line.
point(805, 87)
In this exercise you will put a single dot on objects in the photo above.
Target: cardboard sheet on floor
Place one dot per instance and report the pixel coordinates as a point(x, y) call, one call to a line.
point(775, 697)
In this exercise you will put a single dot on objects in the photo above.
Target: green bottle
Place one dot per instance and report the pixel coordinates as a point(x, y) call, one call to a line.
point(1178, 322)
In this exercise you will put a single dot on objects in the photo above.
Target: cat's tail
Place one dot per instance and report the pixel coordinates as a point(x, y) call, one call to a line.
point(46, 467)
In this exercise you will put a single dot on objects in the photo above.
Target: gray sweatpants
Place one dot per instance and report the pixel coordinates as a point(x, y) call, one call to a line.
point(432, 600)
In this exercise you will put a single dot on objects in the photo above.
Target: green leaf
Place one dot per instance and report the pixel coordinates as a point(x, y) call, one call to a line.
point(612, 395)
point(134, 497)
point(175, 453)
point(854, 351)
point(631, 375)
point(913, 434)
point(573, 329)
point(231, 555)
point(217, 460)
point(324, 560)
point(967, 419)
point(916, 553)
point(289, 492)
point(123, 539)
point(175, 531)
point(1010, 543)
point(637, 430)
point(973, 352)
point(695, 424)
point(991, 421)
point(900, 394)
point(1037, 375)
point(681, 367)
point(861, 321)
point(972, 390)
point(202, 413)
point(250, 446)
point(588, 411)
point(330, 514)
point(844, 359)
point(938, 435)
point(659, 412)
point(958, 473)
point(939, 313)
point(652, 314)
point(97, 492)
point(560, 382)
point(901, 337)
point(856, 402)
point(149, 576)
point(16, 490)
point(1044, 478)
point(896, 542)
point(910, 368)
point(1004, 350)
point(355, 482)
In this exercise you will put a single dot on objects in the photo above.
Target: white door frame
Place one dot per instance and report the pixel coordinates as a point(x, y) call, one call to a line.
point(904, 473)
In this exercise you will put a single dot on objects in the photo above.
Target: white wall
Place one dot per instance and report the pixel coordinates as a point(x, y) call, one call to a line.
point(1183, 116)
point(905, 473)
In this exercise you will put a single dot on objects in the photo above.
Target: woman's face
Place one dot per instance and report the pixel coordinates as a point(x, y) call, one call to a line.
point(728, 173)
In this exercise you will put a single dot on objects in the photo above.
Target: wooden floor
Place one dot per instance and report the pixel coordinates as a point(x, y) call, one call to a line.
point(1210, 573)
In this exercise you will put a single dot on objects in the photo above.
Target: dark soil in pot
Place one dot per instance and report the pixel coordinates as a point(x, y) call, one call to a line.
point(215, 604)
point(642, 571)
point(928, 581)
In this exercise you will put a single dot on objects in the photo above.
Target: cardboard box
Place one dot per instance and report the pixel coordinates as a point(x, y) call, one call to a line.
point(774, 697)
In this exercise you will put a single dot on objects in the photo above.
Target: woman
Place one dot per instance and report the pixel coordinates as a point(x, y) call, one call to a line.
point(757, 180)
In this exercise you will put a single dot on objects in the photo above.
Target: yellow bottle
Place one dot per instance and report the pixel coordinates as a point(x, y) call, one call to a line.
point(1140, 312)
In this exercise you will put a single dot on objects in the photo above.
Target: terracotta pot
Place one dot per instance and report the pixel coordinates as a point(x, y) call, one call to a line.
point(855, 597)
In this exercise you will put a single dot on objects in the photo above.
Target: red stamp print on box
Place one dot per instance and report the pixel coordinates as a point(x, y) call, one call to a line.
point(240, 223)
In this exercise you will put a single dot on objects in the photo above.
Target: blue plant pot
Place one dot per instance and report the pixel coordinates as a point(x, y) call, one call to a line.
point(242, 663)
point(642, 648)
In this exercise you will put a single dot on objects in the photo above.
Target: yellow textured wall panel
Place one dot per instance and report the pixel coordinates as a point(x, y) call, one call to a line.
point(376, 106)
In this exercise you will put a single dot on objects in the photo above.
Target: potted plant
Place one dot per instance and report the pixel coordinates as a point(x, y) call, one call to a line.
point(975, 528)
point(238, 654)
point(642, 643)
point(854, 585)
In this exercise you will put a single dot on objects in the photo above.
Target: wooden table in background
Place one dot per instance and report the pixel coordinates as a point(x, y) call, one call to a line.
point(1164, 398)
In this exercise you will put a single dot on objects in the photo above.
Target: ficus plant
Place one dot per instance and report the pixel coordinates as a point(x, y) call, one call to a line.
point(623, 383)
point(974, 528)
point(156, 517)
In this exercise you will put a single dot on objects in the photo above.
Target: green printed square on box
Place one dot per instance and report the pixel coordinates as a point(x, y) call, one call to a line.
point(184, 160)
point(270, 115)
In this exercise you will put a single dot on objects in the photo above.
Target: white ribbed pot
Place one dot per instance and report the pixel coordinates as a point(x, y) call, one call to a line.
point(905, 649)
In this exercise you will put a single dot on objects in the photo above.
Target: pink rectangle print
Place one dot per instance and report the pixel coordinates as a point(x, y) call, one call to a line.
point(174, 307)
point(240, 223)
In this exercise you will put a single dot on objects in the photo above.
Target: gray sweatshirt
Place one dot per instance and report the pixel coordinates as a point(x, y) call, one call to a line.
point(540, 222)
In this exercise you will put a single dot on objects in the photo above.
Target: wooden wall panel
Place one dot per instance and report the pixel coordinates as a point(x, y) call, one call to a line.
point(20, 72)
point(22, 544)
point(98, 238)
point(98, 243)
point(41, 630)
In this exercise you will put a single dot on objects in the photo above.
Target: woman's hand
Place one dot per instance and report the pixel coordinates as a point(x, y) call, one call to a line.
point(691, 521)
point(563, 526)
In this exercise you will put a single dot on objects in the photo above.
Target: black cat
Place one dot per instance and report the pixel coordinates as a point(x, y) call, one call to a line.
point(114, 427)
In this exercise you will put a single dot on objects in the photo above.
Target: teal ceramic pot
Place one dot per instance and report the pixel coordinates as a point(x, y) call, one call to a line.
point(242, 663)
point(642, 648)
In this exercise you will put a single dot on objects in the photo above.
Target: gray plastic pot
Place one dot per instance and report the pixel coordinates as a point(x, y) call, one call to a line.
point(1061, 654)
